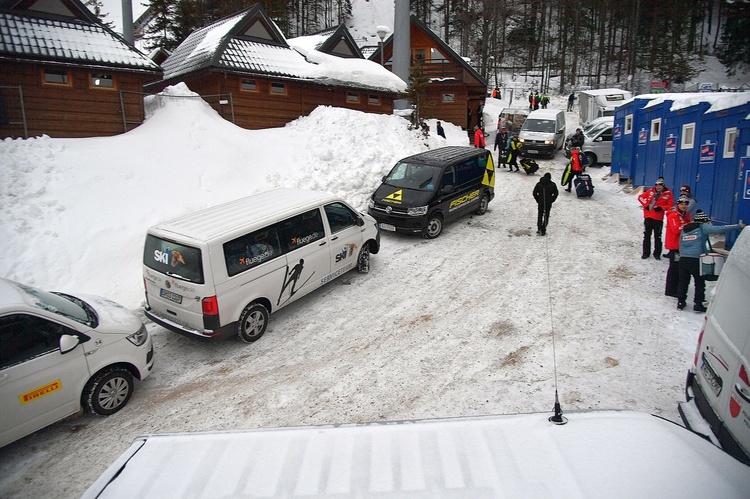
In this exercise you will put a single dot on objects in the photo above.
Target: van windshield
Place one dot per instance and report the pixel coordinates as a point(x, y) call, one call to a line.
point(536, 125)
point(173, 259)
point(415, 177)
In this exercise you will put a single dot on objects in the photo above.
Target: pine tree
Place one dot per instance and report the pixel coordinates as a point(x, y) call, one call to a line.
point(734, 49)
point(96, 7)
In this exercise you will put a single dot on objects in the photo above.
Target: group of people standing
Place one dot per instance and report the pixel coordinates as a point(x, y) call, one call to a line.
point(687, 237)
point(536, 101)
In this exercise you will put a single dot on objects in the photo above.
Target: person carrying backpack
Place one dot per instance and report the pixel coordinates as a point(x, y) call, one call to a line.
point(545, 192)
point(514, 150)
point(573, 169)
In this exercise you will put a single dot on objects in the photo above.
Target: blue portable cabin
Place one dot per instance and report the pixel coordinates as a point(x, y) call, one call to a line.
point(625, 137)
point(682, 128)
point(741, 208)
point(649, 125)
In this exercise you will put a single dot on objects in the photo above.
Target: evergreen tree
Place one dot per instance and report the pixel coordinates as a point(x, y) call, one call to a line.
point(734, 49)
point(96, 7)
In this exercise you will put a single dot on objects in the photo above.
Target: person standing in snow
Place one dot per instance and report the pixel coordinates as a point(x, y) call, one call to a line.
point(479, 137)
point(692, 202)
point(536, 100)
point(440, 129)
point(571, 99)
point(573, 169)
point(545, 193)
point(514, 150)
point(501, 140)
point(531, 101)
point(577, 139)
point(692, 245)
point(655, 202)
point(677, 218)
point(544, 100)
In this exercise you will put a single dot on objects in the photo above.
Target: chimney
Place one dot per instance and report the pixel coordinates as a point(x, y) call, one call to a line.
point(401, 46)
point(127, 21)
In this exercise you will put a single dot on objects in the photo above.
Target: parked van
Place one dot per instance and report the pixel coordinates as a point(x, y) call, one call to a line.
point(718, 383)
point(597, 141)
point(543, 132)
point(425, 191)
point(223, 270)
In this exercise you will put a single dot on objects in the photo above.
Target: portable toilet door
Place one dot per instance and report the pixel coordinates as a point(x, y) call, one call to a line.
point(642, 134)
point(671, 145)
point(741, 205)
point(625, 138)
point(651, 135)
point(685, 124)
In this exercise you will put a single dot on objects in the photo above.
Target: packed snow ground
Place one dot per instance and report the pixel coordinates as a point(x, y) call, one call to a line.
point(487, 319)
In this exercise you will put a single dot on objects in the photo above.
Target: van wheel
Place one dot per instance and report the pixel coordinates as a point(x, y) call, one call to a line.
point(363, 260)
point(434, 227)
point(591, 159)
point(253, 322)
point(108, 391)
point(483, 204)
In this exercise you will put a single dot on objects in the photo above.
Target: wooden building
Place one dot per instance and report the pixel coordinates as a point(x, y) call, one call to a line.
point(64, 74)
point(263, 81)
point(454, 88)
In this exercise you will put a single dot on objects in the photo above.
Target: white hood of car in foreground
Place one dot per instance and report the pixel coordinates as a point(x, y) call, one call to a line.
point(113, 317)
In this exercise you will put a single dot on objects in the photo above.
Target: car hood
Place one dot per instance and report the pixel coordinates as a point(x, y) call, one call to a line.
point(113, 317)
point(400, 197)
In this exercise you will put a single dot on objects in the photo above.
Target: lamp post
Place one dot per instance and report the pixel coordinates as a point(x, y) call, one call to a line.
point(382, 32)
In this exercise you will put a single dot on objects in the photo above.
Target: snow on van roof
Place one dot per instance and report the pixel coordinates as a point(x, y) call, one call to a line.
point(544, 113)
point(246, 213)
point(606, 91)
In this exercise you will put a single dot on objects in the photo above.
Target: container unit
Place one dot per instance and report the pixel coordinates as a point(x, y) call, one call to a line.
point(650, 138)
point(741, 205)
point(681, 150)
point(625, 137)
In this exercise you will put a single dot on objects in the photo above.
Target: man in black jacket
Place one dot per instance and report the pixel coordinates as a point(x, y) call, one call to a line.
point(545, 193)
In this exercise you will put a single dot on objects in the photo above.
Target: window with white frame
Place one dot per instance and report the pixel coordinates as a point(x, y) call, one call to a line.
point(730, 142)
point(655, 129)
point(628, 124)
point(688, 136)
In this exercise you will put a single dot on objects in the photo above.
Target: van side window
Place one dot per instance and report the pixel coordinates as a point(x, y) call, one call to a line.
point(468, 171)
point(251, 250)
point(340, 217)
point(23, 337)
point(303, 229)
point(449, 177)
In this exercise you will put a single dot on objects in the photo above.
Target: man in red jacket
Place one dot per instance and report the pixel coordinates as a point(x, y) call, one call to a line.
point(655, 201)
point(479, 137)
point(677, 218)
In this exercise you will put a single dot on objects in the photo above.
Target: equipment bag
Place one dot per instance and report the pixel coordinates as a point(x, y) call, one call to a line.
point(583, 186)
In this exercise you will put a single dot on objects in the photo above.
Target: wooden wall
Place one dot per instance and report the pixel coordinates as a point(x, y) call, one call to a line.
point(73, 110)
point(262, 108)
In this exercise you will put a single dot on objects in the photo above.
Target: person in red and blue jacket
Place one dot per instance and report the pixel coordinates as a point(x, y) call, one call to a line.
point(677, 218)
point(655, 201)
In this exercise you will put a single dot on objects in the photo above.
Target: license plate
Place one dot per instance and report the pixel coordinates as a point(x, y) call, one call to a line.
point(533, 151)
point(387, 227)
point(711, 378)
point(169, 295)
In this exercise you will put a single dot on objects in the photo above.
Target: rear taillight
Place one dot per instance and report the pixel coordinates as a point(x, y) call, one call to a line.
point(145, 289)
point(700, 339)
point(210, 306)
point(743, 375)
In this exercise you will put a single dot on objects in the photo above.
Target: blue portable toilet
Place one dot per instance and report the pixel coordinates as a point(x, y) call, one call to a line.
point(681, 152)
point(625, 136)
point(718, 162)
point(651, 138)
point(741, 208)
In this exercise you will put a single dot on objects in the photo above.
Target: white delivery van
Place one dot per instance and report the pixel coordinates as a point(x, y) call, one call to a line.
point(594, 104)
point(543, 132)
point(718, 383)
point(224, 269)
point(596, 454)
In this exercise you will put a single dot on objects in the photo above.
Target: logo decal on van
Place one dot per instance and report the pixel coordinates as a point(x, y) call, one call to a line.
point(489, 175)
point(169, 257)
point(468, 198)
point(349, 250)
point(40, 392)
point(396, 198)
point(290, 279)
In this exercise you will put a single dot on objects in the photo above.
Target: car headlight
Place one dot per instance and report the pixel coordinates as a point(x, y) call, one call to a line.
point(139, 337)
point(371, 203)
point(417, 212)
point(522, 140)
point(549, 142)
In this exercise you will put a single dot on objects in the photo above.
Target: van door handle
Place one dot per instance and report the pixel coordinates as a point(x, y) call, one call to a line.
point(334, 238)
point(321, 243)
point(742, 392)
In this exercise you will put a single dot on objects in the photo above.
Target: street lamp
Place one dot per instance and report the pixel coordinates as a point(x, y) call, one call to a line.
point(382, 32)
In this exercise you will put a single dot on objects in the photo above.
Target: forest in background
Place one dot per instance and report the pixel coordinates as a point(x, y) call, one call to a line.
point(595, 43)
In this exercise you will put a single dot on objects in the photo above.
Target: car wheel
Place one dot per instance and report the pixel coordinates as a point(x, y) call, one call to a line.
point(591, 159)
point(108, 391)
point(434, 227)
point(483, 204)
point(363, 260)
point(253, 323)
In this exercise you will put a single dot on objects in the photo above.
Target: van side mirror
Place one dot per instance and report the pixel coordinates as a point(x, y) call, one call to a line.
point(598, 139)
point(447, 189)
point(68, 342)
point(383, 179)
point(360, 222)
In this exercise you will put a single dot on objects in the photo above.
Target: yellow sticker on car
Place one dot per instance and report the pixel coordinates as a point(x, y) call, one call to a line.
point(40, 392)
point(395, 197)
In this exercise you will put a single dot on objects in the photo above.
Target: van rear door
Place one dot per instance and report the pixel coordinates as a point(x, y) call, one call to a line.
point(175, 281)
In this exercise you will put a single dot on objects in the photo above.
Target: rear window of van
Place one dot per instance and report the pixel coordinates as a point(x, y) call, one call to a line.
point(173, 259)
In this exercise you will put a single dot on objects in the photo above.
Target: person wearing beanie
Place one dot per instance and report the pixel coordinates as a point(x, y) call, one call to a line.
point(693, 239)
point(545, 193)
point(677, 218)
point(655, 202)
point(692, 202)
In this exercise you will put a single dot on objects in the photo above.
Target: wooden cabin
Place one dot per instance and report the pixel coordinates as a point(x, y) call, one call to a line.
point(454, 88)
point(245, 69)
point(64, 74)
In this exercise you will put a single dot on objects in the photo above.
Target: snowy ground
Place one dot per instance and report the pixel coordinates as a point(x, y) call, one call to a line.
point(487, 319)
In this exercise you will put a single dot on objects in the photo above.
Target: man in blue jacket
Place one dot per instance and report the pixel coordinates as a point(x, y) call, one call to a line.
point(692, 245)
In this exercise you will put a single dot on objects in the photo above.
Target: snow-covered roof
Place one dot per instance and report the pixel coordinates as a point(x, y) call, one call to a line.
point(249, 42)
point(718, 101)
point(335, 41)
point(66, 40)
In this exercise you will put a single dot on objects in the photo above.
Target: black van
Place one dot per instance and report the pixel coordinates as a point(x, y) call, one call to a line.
point(424, 191)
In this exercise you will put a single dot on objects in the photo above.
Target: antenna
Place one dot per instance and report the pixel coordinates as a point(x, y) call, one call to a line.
point(558, 418)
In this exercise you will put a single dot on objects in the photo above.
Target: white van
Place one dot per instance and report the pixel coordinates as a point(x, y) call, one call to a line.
point(224, 269)
point(543, 132)
point(718, 383)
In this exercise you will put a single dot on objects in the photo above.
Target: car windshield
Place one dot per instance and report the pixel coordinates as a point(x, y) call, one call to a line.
point(534, 125)
point(61, 304)
point(413, 176)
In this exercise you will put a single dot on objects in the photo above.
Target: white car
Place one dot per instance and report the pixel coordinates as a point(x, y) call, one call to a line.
point(60, 352)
